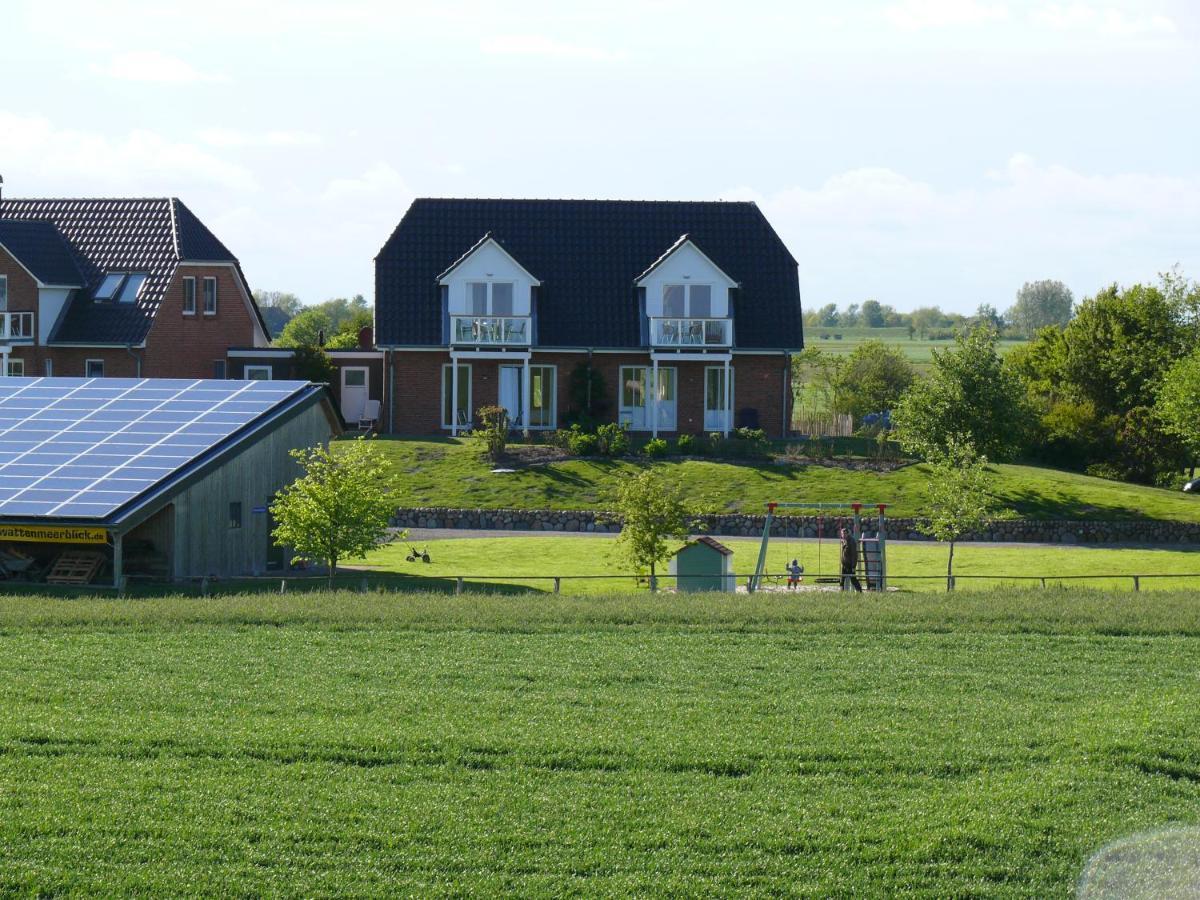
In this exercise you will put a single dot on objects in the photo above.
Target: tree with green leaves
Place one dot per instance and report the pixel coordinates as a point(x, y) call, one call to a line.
point(654, 512)
point(339, 320)
point(959, 496)
point(1120, 345)
point(1040, 304)
point(968, 397)
point(1178, 405)
point(872, 314)
point(871, 379)
point(341, 506)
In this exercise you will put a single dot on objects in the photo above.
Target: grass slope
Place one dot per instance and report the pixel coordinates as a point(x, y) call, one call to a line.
point(919, 352)
point(451, 472)
point(386, 745)
point(519, 558)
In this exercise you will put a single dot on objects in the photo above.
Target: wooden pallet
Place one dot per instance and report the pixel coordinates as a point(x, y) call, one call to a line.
point(75, 567)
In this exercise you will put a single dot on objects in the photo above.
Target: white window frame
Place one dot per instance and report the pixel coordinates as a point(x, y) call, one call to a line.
point(213, 280)
point(731, 394)
point(248, 369)
point(489, 311)
point(624, 413)
point(3, 293)
point(189, 296)
point(453, 404)
point(16, 367)
point(687, 299)
point(49, 367)
point(87, 365)
point(553, 398)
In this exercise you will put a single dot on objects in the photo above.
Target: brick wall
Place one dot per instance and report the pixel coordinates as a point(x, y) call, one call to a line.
point(186, 346)
point(759, 384)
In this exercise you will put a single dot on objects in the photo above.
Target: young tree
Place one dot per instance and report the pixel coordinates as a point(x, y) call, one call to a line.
point(969, 396)
point(871, 379)
point(1040, 304)
point(653, 512)
point(339, 507)
point(872, 314)
point(959, 498)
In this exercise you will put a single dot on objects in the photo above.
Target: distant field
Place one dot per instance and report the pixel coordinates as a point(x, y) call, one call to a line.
point(408, 745)
point(918, 352)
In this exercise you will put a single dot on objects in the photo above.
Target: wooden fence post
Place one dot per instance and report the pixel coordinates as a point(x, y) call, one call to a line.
point(458, 585)
point(557, 581)
point(1137, 583)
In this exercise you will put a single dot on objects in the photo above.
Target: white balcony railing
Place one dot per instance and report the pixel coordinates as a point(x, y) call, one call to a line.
point(492, 330)
point(17, 326)
point(691, 332)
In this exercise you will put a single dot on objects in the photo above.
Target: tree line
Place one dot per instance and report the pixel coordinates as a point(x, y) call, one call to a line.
point(1114, 391)
point(1038, 304)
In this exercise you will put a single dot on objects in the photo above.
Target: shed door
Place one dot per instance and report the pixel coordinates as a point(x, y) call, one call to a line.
point(355, 387)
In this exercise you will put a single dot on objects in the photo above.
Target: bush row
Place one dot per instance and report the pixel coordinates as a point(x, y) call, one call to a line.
point(613, 440)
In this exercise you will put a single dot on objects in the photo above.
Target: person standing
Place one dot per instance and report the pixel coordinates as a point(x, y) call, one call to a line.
point(850, 561)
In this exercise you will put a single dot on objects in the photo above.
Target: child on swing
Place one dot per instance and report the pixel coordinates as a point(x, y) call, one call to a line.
point(795, 570)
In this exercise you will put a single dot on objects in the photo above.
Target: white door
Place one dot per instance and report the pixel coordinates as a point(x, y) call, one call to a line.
point(510, 394)
point(666, 398)
point(354, 392)
point(716, 415)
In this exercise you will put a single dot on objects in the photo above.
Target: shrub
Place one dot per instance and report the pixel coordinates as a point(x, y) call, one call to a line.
point(655, 447)
point(1105, 470)
point(612, 440)
point(583, 444)
point(492, 430)
point(687, 444)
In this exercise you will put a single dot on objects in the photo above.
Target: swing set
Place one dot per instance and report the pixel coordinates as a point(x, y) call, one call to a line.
point(872, 558)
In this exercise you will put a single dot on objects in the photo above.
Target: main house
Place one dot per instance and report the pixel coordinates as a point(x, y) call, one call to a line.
point(125, 287)
point(669, 317)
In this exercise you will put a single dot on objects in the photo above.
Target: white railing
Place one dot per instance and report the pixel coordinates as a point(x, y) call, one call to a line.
point(506, 330)
point(691, 332)
point(17, 326)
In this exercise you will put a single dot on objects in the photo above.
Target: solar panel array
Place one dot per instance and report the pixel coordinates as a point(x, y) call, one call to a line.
point(83, 448)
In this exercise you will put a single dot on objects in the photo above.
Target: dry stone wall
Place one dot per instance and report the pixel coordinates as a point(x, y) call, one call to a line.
point(1014, 530)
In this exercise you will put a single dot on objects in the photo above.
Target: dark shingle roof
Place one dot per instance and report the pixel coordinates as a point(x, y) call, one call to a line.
point(150, 235)
point(587, 253)
point(41, 249)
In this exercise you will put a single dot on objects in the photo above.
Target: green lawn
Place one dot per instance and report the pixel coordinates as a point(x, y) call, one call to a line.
point(414, 745)
point(451, 472)
point(508, 562)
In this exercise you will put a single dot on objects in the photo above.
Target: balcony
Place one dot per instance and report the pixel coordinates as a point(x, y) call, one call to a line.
point(691, 332)
point(504, 331)
point(16, 327)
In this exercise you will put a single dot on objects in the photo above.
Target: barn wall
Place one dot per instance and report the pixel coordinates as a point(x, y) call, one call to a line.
point(205, 544)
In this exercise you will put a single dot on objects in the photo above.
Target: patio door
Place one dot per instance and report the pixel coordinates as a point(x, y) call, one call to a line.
point(638, 393)
point(510, 394)
point(354, 392)
point(717, 416)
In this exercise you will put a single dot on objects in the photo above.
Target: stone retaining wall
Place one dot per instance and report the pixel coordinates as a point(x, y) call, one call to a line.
point(1015, 530)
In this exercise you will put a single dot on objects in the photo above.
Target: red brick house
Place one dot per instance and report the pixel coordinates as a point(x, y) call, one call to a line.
point(682, 316)
point(118, 287)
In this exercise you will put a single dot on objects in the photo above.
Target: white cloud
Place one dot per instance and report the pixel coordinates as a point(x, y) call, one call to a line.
point(380, 183)
point(227, 138)
point(155, 67)
point(918, 15)
point(541, 46)
point(90, 163)
point(878, 232)
point(1107, 20)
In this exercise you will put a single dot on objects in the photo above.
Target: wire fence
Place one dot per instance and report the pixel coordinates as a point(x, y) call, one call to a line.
point(572, 584)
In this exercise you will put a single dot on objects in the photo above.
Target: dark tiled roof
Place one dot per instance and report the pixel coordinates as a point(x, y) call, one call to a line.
point(715, 544)
point(150, 235)
point(587, 253)
point(41, 249)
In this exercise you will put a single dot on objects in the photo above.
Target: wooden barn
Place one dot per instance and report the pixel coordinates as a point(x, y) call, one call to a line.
point(702, 565)
point(106, 478)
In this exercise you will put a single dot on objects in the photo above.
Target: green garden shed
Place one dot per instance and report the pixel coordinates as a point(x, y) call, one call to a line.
point(704, 564)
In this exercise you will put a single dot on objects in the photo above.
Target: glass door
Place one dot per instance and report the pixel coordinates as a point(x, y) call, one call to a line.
point(716, 414)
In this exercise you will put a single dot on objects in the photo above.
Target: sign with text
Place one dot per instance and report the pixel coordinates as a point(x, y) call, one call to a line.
point(53, 534)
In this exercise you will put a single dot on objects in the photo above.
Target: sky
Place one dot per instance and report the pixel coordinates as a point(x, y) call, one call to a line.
point(911, 151)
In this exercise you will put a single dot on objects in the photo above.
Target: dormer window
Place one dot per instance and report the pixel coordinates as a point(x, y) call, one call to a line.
point(490, 298)
point(683, 301)
point(131, 288)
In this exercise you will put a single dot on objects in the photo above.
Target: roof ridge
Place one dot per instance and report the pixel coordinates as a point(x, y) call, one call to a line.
point(642, 201)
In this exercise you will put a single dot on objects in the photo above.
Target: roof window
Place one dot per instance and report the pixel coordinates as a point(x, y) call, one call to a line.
point(131, 288)
point(108, 287)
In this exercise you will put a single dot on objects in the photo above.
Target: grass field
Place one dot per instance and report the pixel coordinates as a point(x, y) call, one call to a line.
point(519, 558)
point(919, 352)
point(393, 745)
point(452, 472)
